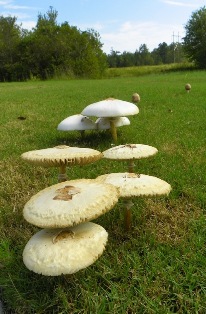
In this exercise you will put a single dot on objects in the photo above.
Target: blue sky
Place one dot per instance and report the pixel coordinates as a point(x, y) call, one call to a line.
point(123, 25)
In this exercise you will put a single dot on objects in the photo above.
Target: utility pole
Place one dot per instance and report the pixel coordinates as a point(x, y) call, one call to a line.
point(177, 43)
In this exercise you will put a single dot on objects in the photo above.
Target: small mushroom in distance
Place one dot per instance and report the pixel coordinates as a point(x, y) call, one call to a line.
point(111, 108)
point(135, 98)
point(187, 87)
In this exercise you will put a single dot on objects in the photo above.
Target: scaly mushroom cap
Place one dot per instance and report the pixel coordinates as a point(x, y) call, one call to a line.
point(69, 203)
point(132, 184)
point(111, 108)
point(129, 152)
point(76, 122)
point(62, 155)
point(52, 252)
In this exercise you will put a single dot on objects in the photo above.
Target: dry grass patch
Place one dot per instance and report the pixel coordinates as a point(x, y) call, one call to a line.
point(169, 221)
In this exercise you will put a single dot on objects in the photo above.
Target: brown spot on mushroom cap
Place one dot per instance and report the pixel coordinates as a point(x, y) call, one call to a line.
point(66, 193)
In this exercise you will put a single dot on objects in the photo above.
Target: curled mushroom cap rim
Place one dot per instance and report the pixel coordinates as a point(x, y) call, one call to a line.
point(62, 155)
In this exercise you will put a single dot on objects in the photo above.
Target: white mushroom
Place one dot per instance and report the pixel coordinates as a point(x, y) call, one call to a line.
point(70, 203)
point(62, 156)
point(76, 122)
point(135, 185)
point(52, 252)
point(135, 98)
point(111, 108)
point(188, 87)
point(129, 153)
point(104, 123)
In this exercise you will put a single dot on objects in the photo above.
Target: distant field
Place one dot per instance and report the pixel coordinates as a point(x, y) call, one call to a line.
point(159, 267)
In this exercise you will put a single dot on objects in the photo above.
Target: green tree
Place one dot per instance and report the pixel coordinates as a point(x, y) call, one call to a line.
point(195, 38)
point(10, 37)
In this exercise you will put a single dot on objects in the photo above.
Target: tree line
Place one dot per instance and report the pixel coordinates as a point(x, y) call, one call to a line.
point(51, 49)
point(163, 54)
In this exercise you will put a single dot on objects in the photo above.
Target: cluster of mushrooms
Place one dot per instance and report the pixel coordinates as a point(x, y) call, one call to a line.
point(110, 113)
point(69, 241)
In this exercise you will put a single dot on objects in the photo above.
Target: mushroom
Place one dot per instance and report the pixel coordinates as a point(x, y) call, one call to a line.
point(70, 203)
point(134, 185)
point(135, 98)
point(129, 153)
point(188, 87)
point(111, 108)
point(77, 122)
point(104, 123)
point(52, 252)
point(62, 156)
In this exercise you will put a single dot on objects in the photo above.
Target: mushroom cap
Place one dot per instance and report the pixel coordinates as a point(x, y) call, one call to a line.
point(69, 203)
point(52, 252)
point(129, 151)
point(111, 108)
point(62, 155)
point(135, 97)
point(187, 86)
point(76, 122)
point(132, 184)
point(104, 124)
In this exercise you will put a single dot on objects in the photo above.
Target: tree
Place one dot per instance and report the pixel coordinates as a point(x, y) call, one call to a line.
point(195, 38)
point(10, 36)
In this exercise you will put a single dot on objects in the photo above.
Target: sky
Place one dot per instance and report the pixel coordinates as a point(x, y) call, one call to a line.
point(123, 25)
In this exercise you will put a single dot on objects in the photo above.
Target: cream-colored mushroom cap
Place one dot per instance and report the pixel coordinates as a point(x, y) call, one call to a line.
point(111, 108)
point(129, 151)
point(132, 184)
point(69, 203)
point(187, 86)
point(104, 123)
point(62, 155)
point(76, 122)
point(52, 252)
point(135, 97)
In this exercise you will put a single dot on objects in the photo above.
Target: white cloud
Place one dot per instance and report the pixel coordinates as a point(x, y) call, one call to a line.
point(182, 3)
point(28, 24)
point(131, 35)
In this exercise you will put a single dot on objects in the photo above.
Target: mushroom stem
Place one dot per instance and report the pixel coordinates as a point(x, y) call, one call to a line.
point(131, 166)
point(113, 130)
point(62, 174)
point(128, 215)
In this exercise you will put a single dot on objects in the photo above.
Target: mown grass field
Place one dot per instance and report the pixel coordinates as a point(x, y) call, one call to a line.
point(159, 266)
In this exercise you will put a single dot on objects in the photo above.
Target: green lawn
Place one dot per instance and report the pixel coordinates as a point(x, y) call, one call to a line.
point(159, 266)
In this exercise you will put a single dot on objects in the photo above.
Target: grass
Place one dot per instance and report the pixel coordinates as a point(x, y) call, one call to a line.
point(159, 267)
